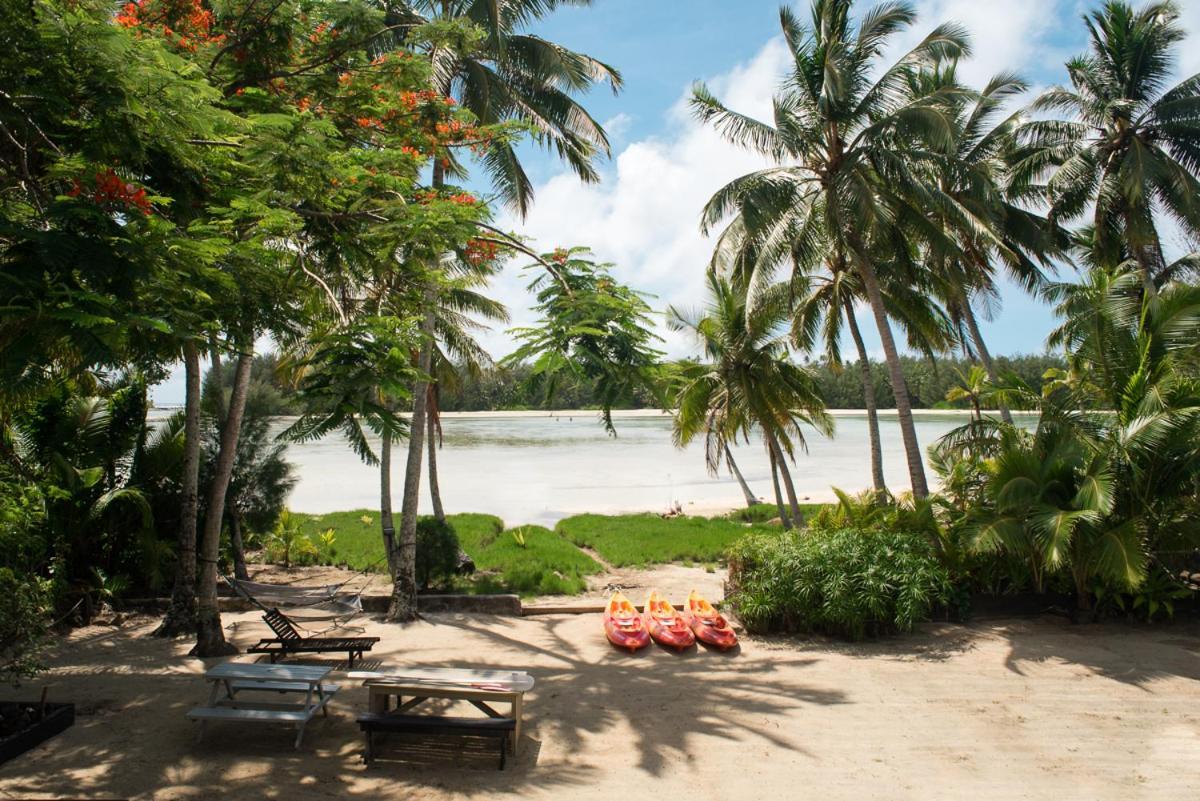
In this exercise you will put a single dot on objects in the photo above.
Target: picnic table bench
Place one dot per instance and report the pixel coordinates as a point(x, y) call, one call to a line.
point(236, 678)
point(412, 687)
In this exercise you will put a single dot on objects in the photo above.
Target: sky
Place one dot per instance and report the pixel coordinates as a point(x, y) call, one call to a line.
point(643, 216)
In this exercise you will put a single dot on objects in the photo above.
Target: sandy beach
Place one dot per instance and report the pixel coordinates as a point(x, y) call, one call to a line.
point(1021, 709)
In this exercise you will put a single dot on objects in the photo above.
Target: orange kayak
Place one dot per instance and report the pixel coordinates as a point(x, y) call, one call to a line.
point(623, 625)
point(709, 625)
point(667, 626)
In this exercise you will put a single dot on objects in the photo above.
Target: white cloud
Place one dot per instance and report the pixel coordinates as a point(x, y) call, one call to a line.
point(1006, 36)
point(1189, 52)
point(644, 216)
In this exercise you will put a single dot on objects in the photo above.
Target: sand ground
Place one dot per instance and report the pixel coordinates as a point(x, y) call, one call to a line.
point(1022, 709)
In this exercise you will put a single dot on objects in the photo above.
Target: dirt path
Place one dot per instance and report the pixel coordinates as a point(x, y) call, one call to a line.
point(1033, 710)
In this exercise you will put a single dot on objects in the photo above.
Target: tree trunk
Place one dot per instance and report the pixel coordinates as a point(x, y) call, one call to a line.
point(435, 491)
point(797, 515)
point(908, 432)
point(237, 546)
point(869, 401)
point(783, 515)
point(385, 505)
point(733, 468)
point(985, 357)
point(210, 638)
point(404, 587)
point(181, 614)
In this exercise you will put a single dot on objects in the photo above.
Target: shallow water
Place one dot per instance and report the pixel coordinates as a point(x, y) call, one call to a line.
point(539, 469)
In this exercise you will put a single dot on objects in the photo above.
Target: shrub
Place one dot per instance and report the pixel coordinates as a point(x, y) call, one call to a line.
point(437, 552)
point(845, 582)
point(24, 612)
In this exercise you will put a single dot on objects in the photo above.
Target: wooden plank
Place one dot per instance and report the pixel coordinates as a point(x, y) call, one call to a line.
point(509, 680)
point(249, 715)
point(563, 609)
point(256, 671)
point(267, 685)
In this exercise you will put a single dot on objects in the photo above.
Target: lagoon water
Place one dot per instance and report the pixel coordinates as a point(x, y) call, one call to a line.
point(540, 467)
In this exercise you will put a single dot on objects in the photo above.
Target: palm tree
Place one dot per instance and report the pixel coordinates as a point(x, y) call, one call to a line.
point(992, 224)
point(826, 300)
point(508, 76)
point(1130, 147)
point(459, 311)
point(747, 381)
point(849, 141)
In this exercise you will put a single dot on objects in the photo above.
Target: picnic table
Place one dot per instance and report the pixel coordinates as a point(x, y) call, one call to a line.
point(411, 687)
point(239, 678)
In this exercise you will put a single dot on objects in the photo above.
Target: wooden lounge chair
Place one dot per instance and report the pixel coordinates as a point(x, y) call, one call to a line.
point(290, 642)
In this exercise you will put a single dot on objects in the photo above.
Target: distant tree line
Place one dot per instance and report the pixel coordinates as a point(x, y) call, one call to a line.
point(511, 388)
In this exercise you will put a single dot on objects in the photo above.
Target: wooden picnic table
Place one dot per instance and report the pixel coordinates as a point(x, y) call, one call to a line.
point(411, 687)
point(242, 677)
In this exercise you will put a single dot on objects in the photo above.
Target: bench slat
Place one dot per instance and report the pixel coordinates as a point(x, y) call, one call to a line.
point(282, 686)
point(249, 715)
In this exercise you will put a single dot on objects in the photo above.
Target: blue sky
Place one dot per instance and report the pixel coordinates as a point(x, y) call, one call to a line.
point(643, 215)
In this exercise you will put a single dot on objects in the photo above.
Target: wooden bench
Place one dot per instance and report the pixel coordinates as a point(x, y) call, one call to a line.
point(290, 642)
point(436, 725)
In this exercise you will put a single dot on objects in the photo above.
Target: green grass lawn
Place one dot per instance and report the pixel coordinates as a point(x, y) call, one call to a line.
point(547, 564)
point(533, 560)
point(643, 539)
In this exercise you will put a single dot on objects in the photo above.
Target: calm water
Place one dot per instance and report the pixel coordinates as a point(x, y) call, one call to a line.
point(539, 469)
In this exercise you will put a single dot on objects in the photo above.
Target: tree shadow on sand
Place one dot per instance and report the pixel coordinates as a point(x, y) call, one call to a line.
point(725, 696)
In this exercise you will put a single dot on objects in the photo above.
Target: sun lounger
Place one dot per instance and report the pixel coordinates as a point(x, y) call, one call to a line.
point(289, 642)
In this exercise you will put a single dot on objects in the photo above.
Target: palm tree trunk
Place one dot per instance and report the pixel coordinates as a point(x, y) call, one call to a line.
point(404, 587)
point(733, 468)
point(210, 638)
point(1145, 258)
point(385, 505)
point(181, 614)
point(435, 491)
point(783, 515)
point(868, 381)
point(797, 515)
point(237, 546)
point(984, 355)
point(908, 432)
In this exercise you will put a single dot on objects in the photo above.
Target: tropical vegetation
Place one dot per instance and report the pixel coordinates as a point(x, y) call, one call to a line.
point(182, 180)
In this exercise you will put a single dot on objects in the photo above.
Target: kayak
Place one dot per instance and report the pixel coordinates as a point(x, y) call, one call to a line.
point(623, 625)
point(709, 625)
point(667, 626)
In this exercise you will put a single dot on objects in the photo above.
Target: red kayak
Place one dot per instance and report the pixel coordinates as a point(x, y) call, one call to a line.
point(709, 625)
point(667, 626)
point(623, 625)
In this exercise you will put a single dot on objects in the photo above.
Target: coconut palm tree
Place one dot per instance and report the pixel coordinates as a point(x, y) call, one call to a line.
point(1129, 149)
point(849, 141)
point(460, 310)
point(506, 76)
point(993, 225)
point(747, 381)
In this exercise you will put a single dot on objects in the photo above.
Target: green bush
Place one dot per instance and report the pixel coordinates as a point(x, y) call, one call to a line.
point(845, 582)
point(437, 552)
point(24, 615)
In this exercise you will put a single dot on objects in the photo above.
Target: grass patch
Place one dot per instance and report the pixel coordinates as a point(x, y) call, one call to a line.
point(762, 512)
point(530, 560)
point(546, 565)
point(643, 539)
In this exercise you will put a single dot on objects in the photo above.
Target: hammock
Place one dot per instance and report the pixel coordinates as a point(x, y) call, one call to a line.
point(303, 603)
